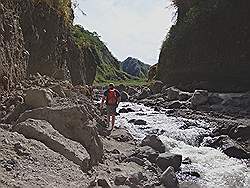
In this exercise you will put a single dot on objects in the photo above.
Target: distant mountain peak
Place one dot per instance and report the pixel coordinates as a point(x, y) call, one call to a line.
point(135, 67)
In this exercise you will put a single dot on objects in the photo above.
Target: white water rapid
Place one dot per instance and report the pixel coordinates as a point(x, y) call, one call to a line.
point(216, 169)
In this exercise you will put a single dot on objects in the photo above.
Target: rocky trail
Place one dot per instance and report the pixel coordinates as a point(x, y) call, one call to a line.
point(52, 135)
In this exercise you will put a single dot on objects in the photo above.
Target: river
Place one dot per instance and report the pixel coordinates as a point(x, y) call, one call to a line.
point(216, 169)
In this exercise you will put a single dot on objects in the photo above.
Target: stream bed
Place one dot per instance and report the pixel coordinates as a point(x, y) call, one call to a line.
point(182, 136)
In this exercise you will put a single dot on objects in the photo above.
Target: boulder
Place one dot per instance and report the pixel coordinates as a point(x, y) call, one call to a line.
point(214, 99)
point(227, 145)
point(58, 90)
point(132, 91)
point(36, 98)
point(12, 116)
point(140, 122)
point(120, 180)
point(156, 86)
point(154, 142)
point(42, 131)
point(169, 179)
point(74, 122)
point(146, 92)
point(242, 131)
point(174, 104)
point(148, 153)
point(124, 96)
point(171, 92)
point(104, 183)
point(183, 96)
point(169, 159)
point(199, 97)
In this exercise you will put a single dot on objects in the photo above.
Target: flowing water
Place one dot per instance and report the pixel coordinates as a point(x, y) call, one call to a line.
point(182, 136)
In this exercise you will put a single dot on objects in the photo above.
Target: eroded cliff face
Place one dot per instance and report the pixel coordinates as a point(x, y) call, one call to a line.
point(36, 38)
point(46, 34)
point(208, 47)
point(13, 56)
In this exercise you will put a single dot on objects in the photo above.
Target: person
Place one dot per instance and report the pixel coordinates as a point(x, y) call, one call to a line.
point(112, 97)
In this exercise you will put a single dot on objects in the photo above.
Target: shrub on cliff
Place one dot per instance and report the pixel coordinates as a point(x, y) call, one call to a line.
point(62, 6)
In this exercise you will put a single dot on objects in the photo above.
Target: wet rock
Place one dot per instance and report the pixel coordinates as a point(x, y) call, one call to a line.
point(156, 86)
point(169, 179)
point(227, 145)
point(123, 110)
point(157, 109)
point(170, 111)
point(183, 96)
point(104, 183)
point(199, 97)
point(175, 104)
point(74, 122)
point(148, 153)
point(172, 93)
point(191, 173)
point(58, 90)
point(186, 161)
point(241, 131)
point(140, 122)
point(120, 180)
point(214, 99)
point(37, 98)
point(154, 142)
point(44, 132)
point(126, 110)
point(131, 91)
point(132, 121)
point(146, 92)
point(124, 96)
point(169, 159)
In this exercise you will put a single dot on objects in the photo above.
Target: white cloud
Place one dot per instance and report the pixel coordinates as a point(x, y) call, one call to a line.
point(129, 27)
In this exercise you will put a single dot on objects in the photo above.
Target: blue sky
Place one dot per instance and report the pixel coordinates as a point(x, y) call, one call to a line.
point(128, 27)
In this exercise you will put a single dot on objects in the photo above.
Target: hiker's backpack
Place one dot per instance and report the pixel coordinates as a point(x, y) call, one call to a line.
point(112, 97)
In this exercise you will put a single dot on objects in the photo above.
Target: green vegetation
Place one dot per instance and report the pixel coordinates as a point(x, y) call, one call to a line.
point(86, 38)
point(109, 67)
point(62, 6)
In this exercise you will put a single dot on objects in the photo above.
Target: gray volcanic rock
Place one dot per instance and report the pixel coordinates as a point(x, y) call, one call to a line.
point(36, 98)
point(42, 131)
point(135, 67)
point(169, 179)
point(169, 159)
point(35, 164)
point(73, 122)
point(154, 142)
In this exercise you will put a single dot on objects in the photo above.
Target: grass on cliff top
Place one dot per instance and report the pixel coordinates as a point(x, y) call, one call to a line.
point(84, 37)
point(62, 6)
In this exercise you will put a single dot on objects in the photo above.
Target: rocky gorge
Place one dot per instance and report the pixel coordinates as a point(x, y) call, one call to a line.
point(52, 133)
